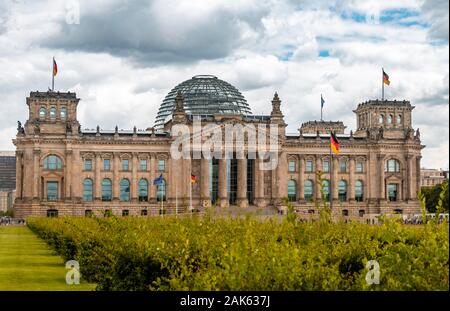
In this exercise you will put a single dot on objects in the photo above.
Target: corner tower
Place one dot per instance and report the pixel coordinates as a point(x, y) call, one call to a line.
point(52, 113)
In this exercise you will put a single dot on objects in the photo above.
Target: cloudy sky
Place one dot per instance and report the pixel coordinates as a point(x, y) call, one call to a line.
point(122, 57)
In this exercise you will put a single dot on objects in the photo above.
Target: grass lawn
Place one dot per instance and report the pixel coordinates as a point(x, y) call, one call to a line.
point(27, 263)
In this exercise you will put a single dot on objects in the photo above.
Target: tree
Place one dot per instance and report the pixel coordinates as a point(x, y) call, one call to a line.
point(432, 195)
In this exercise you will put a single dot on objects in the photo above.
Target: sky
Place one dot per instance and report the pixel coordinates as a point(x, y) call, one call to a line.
point(123, 57)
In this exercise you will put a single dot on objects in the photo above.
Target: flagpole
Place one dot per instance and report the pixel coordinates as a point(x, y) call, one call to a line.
point(321, 107)
point(176, 198)
point(331, 178)
point(162, 202)
point(382, 84)
point(53, 75)
point(190, 194)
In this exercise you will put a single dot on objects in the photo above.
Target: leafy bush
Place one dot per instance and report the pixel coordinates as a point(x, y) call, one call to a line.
point(217, 253)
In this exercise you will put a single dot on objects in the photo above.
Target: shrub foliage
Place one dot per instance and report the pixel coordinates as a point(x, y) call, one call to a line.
point(218, 253)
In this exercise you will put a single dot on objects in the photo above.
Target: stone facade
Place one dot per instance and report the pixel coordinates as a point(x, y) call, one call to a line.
point(432, 177)
point(65, 170)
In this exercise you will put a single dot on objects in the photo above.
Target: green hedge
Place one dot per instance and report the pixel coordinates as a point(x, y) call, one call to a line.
point(205, 253)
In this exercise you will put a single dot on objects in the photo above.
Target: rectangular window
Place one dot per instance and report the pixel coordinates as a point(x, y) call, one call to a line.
point(52, 190)
point(88, 165)
point(106, 164)
point(143, 165)
point(291, 166)
point(161, 165)
point(359, 167)
point(392, 192)
point(326, 166)
point(309, 166)
point(342, 166)
point(125, 165)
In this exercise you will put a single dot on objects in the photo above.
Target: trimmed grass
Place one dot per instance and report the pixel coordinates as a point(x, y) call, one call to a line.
point(27, 263)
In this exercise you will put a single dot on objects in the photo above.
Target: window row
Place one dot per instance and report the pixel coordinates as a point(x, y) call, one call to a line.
point(125, 165)
point(310, 167)
point(124, 186)
point(53, 112)
point(308, 190)
point(389, 119)
point(53, 162)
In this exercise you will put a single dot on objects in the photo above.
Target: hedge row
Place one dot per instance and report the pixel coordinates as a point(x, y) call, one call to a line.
point(205, 253)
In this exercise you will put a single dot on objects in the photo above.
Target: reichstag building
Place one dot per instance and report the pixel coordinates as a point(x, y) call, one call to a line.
point(64, 170)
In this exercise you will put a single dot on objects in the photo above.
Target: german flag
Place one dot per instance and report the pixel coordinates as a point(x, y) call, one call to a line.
point(386, 78)
point(55, 67)
point(193, 179)
point(334, 143)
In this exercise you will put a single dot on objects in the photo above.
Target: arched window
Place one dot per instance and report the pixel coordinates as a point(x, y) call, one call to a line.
point(63, 113)
point(342, 190)
point(392, 165)
point(143, 190)
point(87, 190)
point(124, 190)
point(345, 212)
point(326, 189)
point(309, 190)
point(359, 191)
point(399, 119)
point(292, 190)
point(106, 190)
point(381, 119)
point(161, 191)
point(52, 162)
point(42, 112)
point(389, 119)
point(53, 113)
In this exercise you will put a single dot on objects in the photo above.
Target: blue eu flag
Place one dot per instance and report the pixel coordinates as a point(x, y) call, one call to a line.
point(159, 180)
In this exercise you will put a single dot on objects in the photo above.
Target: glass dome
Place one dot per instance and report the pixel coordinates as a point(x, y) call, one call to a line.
point(204, 94)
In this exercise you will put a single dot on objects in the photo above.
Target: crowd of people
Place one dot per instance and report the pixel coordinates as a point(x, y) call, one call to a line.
point(7, 220)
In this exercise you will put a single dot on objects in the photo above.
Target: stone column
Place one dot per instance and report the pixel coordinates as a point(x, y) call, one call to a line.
point(152, 190)
point(68, 176)
point(204, 183)
point(282, 177)
point(97, 178)
point(317, 168)
point(301, 178)
point(76, 176)
point(417, 176)
point(335, 179)
point(116, 180)
point(351, 180)
point(242, 200)
point(382, 187)
point(19, 176)
point(259, 186)
point(36, 174)
point(134, 180)
point(223, 191)
point(411, 181)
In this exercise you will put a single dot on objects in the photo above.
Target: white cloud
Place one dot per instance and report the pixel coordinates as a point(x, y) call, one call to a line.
point(125, 57)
